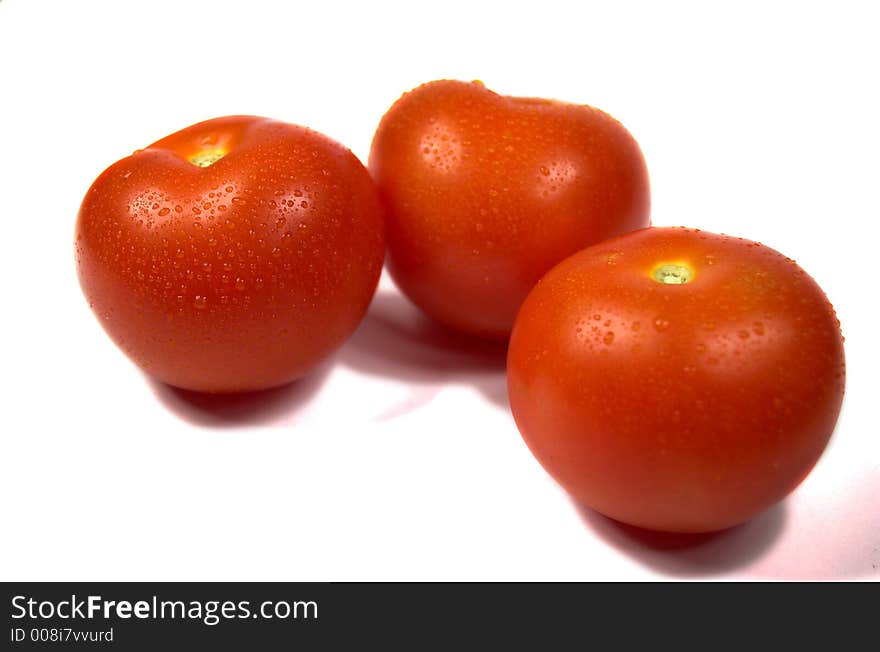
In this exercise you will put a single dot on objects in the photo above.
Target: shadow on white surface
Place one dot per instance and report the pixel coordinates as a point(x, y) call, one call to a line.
point(692, 555)
point(396, 341)
point(269, 406)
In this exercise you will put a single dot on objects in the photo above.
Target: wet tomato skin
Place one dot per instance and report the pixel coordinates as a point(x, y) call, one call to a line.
point(679, 407)
point(233, 255)
point(484, 193)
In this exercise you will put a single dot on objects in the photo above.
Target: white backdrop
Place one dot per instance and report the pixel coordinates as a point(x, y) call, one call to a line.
point(399, 459)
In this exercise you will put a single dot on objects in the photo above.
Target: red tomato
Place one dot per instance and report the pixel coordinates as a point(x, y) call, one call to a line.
point(677, 380)
point(485, 193)
point(233, 255)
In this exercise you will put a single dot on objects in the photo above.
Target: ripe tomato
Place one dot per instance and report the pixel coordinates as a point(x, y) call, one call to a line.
point(677, 380)
point(485, 193)
point(233, 255)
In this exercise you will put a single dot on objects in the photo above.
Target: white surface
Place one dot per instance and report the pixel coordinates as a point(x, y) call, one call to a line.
point(400, 459)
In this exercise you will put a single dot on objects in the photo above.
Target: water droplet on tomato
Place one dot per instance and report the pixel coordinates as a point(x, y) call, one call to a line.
point(200, 302)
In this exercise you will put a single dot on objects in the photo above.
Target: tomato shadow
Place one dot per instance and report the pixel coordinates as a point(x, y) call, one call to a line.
point(395, 340)
point(692, 555)
point(277, 406)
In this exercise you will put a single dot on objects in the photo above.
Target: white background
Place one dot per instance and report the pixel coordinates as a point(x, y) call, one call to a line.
point(399, 459)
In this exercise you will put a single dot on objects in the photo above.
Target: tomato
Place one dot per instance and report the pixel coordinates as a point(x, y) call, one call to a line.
point(675, 379)
point(233, 255)
point(485, 193)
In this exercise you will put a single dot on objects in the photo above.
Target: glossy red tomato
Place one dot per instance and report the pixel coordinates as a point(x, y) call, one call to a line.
point(233, 255)
point(677, 380)
point(485, 193)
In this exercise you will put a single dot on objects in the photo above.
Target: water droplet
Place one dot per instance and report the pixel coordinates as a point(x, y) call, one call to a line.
point(164, 212)
point(609, 338)
point(200, 302)
point(239, 200)
point(661, 324)
point(545, 170)
point(240, 284)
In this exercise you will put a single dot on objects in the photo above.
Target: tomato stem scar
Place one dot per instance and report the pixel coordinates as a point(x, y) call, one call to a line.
point(206, 157)
point(672, 274)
